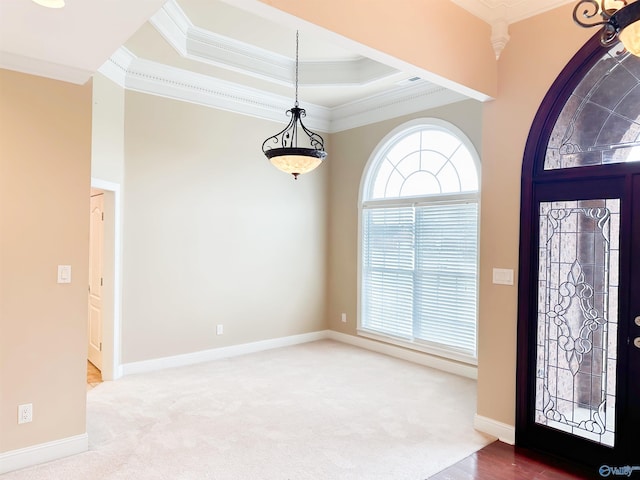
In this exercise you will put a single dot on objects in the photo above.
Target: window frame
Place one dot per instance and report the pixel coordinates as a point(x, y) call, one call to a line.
point(366, 185)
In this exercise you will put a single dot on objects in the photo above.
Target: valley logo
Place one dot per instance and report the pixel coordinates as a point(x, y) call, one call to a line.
point(626, 471)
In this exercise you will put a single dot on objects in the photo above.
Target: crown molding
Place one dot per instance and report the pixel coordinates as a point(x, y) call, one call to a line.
point(137, 74)
point(204, 46)
point(174, 25)
point(117, 67)
point(153, 78)
point(224, 52)
point(413, 98)
point(34, 66)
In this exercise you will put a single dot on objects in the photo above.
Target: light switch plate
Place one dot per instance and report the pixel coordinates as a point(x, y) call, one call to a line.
point(64, 273)
point(503, 276)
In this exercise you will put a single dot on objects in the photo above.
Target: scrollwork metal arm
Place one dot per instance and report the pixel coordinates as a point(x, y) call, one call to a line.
point(288, 136)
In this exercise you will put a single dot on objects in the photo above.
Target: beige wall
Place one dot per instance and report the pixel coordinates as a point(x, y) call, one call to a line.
point(45, 145)
point(527, 68)
point(107, 144)
point(214, 234)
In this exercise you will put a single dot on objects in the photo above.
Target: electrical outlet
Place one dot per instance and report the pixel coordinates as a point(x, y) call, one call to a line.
point(344, 318)
point(25, 413)
point(219, 330)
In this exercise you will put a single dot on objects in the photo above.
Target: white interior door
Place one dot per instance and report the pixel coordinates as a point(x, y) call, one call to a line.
point(96, 250)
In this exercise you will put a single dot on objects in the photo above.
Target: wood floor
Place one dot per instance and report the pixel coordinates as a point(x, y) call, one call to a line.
point(499, 461)
point(94, 377)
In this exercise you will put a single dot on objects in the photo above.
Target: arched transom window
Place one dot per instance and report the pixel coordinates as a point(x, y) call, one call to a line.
point(419, 240)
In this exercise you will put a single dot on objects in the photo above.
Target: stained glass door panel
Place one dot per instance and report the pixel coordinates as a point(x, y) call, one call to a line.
point(577, 317)
point(600, 122)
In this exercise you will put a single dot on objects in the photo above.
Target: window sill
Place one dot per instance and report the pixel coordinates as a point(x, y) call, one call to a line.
point(420, 347)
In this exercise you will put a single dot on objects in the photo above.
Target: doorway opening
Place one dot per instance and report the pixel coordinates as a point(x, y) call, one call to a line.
point(103, 316)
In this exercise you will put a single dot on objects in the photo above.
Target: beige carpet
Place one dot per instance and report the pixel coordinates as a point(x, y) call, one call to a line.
point(317, 411)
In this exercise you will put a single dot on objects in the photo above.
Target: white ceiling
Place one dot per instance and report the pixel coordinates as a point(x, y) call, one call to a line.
point(69, 43)
point(232, 54)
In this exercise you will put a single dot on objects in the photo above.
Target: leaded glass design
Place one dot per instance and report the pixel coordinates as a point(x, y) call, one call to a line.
point(577, 317)
point(600, 122)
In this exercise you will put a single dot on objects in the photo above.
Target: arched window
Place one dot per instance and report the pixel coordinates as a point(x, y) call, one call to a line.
point(419, 240)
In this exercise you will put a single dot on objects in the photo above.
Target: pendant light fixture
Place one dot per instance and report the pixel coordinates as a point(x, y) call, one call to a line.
point(617, 23)
point(283, 149)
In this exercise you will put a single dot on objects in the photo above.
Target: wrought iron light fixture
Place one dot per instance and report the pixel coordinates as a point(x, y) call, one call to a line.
point(621, 23)
point(283, 150)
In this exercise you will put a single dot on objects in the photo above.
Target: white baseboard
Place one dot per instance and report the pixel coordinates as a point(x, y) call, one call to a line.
point(505, 433)
point(43, 452)
point(145, 366)
point(464, 370)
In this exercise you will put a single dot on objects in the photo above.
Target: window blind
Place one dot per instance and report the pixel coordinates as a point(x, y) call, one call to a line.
point(445, 287)
point(419, 273)
point(387, 268)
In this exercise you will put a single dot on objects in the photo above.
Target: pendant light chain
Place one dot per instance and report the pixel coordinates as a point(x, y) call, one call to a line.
point(297, 42)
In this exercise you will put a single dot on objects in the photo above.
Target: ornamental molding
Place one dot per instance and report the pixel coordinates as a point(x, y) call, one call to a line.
point(145, 76)
point(499, 14)
point(207, 47)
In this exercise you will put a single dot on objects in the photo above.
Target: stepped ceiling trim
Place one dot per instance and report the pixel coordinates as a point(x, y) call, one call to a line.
point(136, 74)
point(211, 48)
point(141, 75)
point(377, 108)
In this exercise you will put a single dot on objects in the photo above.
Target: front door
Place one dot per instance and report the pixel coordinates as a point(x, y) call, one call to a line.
point(631, 424)
point(579, 290)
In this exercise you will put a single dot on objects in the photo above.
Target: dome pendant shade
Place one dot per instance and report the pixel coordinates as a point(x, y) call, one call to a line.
point(283, 149)
point(295, 161)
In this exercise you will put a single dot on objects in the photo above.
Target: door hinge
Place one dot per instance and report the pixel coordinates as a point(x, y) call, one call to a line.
point(100, 346)
point(102, 215)
point(101, 281)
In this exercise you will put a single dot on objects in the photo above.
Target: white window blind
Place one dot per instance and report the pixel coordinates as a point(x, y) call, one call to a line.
point(419, 273)
point(445, 286)
point(388, 270)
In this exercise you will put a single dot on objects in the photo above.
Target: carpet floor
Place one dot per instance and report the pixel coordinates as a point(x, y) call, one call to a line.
point(322, 410)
